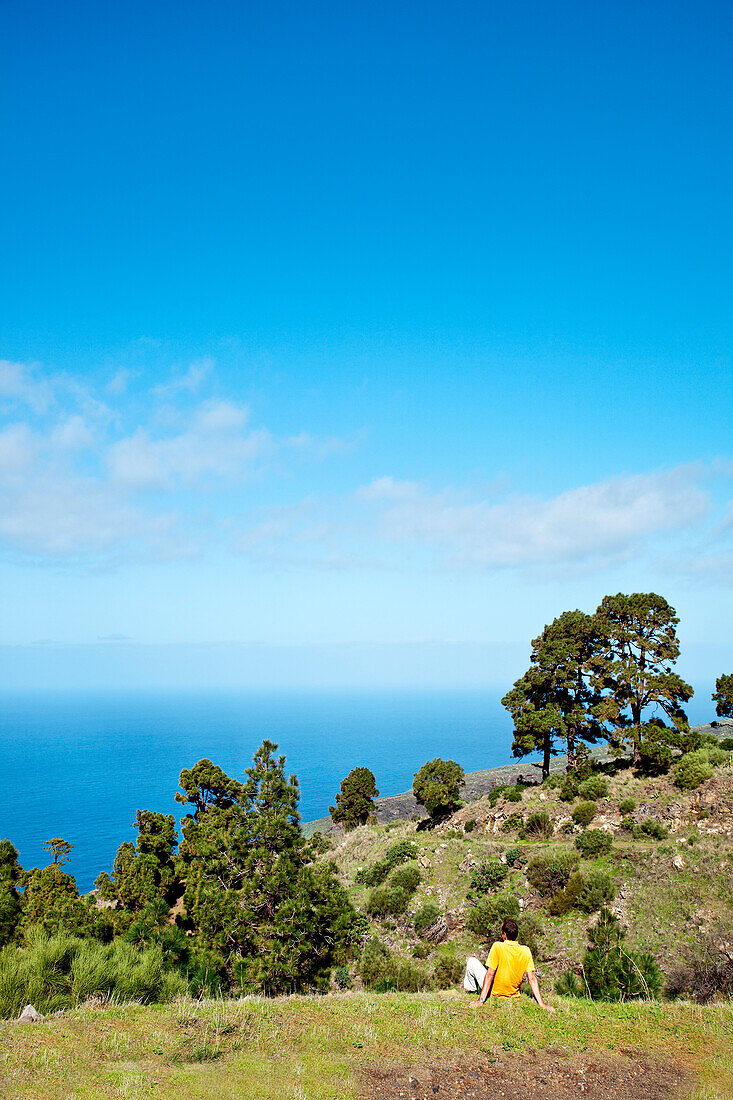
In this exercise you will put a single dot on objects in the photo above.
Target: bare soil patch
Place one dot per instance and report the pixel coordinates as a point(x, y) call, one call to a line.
point(551, 1076)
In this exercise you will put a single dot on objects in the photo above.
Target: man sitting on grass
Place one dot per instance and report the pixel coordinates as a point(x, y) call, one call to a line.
point(508, 964)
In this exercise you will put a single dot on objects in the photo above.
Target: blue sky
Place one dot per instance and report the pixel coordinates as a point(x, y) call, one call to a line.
point(376, 326)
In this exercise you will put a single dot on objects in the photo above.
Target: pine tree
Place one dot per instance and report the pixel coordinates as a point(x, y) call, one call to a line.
point(553, 703)
point(723, 696)
point(355, 803)
point(252, 894)
point(639, 647)
point(437, 787)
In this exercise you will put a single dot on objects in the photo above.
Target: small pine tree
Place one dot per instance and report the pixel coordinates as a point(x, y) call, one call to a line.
point(355, 803)
point(609, 971)
point(437, 787)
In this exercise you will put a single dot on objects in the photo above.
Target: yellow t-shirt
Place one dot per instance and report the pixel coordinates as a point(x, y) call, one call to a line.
point(511, 960)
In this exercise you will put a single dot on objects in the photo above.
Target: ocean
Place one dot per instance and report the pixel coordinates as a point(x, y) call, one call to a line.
point(80, 765)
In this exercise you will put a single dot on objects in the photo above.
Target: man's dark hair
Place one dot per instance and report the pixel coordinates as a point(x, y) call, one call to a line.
point(510, 928)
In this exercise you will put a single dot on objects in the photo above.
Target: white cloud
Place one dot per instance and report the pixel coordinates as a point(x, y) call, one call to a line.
point(19, 386)
point(18, 450)
point(72, 434)
point(607, 519)
point(189, 382)
point(213, 447)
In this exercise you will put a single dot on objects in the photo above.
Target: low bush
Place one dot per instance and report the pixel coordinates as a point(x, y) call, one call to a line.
point(486, 917)
point(553, 781)
point(410, 977)
point(448, 968)
point(593, 842)
point(727, 744)
point(566, 899)
point(387, 901)
point(539, 825)
point(376, 965)
point(692, 770)
point(594, 787)
point(627, 805)
point(651, 828)
point(568, 791)
point(531, 930)
point(514, 855)
point(549, 872)
point(377, 873)
point(513, 794)
point(426, 916)
point(469, 825)
point(707, 971)
point(598, 889)
point(513, 824)
point(584, 813)
point(342, 977)
point(487, 876)
point(406, 878)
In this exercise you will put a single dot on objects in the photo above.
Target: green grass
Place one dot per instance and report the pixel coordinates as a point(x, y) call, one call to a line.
point(314, 1047)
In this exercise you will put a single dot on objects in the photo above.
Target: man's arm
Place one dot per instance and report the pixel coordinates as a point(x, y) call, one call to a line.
point(534, 985)
point(485, 988)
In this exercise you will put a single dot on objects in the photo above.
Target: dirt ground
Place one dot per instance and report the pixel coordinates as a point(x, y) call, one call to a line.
point(630, 1076)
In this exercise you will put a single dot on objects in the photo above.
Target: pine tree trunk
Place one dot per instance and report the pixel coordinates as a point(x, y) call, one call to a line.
point(572, 762)
point(546, 759)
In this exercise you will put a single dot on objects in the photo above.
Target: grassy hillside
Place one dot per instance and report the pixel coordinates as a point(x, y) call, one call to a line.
point(342, 1046)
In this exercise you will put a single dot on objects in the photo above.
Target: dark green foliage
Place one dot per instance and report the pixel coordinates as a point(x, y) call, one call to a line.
point(470, 825)
point(593, 788)
point(549, 872)
point(539, 826)
point(510, 792)
point(566, 899)
point(650, 828)
point(205, 785)
point(437, 786)
point(319, 844)
point(553, 781)
point(639, 647)
point(426, 916)
point(593, 842)
point(554, 701)
point(513, 824)
point(723, 696)
point(396, 854)
point(610, 972)
point(387, 901)
point(252, 893)
point(490, 874)
point(406, 878)
point(598, 889)
point(727, 744)
point(342, 977)
point(10, 904)
point(584, 813)
point(514, 855)
point(376, 965)
point(627, 805)
point(51, 902)
point(486, 916)
point(355, 803)
point(693, 769)
point(447, 969)
point(656, 741)
point(569, 790)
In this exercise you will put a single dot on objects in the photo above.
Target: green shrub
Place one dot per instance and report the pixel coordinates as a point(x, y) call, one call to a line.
point(598, 889)
point(549, 872)
point(593, 842)
point(553, 781)
point(490, 874)
point(610, 972)
point(514, 855)
point(568, 792)
point(377, 873)
point(469, 825)
point(539, 825)
point(486, 917)
point(513, 824)
point(651, 828)
point(411, 977)
point(594, 787)
point(426, 916)
point(376, 965)
point(717, 756)
point(447, 969)
point(566, 899)
point(584, 813)
point(627, 805)
point(342, 977)
point(727, 744)
point(387, 901)
point(406, 878)
point(692, 770)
